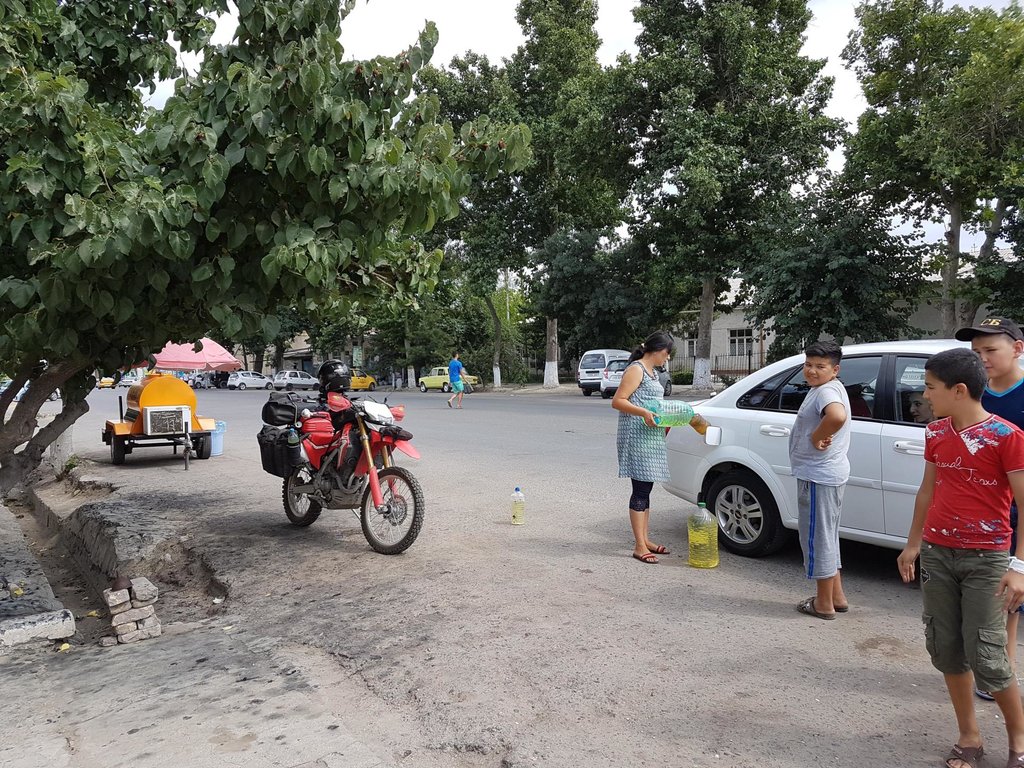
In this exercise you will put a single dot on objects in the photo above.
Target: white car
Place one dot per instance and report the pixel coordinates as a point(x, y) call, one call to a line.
point(746, 480)
point(611, 377)
point(249, 380)
point(290, 380)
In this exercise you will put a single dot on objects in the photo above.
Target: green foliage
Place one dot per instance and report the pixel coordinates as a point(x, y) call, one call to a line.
point(836, 270)
point(682, 378)
point(732, 116)
point(944, 130)
point(279, 175)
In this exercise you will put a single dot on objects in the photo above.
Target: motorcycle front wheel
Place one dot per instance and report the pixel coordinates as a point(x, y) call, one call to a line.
point(394, 526)
point(300, 509)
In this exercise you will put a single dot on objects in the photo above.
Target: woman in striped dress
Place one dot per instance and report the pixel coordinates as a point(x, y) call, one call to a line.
point(641, 445)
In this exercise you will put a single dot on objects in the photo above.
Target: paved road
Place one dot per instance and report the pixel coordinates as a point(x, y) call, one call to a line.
point(488, 645)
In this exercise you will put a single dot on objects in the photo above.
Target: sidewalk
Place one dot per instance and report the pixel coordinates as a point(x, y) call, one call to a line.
point(212, 692)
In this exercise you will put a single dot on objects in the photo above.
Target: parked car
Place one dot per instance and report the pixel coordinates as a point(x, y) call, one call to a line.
point(129, 379)
point(665, 379)
point(592, 365)
point(746, 481)
point(363, 380)
point(611, 376)
point(438, 379)
point(107, 382)
point(290, 380)
point(249, 380)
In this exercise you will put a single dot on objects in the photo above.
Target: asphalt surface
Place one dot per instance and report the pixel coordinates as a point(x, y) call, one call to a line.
point(492, 645)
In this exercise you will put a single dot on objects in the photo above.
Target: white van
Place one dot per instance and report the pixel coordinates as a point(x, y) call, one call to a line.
point(592, 365)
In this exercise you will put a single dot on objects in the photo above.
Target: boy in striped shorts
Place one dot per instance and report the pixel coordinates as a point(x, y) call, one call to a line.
point(818, 446)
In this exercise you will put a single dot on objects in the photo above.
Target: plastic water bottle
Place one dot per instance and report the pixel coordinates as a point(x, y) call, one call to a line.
point(294, 448)
point(702, 531)
point(518, 507)
point(676, 413)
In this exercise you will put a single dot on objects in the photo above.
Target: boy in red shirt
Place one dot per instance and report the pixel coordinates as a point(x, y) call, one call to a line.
point(974, 467)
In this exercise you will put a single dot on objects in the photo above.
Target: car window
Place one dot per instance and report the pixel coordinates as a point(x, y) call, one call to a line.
point(766, 394)
point(592, 361)
point(617, 365)
point(911, 407)
point(859, 376)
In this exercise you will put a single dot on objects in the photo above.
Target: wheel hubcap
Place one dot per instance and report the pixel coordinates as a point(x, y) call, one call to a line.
point(739, 514)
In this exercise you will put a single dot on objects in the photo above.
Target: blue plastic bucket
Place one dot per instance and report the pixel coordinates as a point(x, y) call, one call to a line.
point(217, 438)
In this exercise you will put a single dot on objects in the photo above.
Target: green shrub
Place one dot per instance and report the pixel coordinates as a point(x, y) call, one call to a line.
point(682, 377)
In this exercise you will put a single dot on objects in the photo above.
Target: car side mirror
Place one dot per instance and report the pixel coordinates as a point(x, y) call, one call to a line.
point(713, 436)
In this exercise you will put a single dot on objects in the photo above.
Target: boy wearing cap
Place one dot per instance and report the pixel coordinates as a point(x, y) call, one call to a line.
point(1000, 343)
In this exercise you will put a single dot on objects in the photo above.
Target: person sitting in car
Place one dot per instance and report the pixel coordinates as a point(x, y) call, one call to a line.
point(920, 409)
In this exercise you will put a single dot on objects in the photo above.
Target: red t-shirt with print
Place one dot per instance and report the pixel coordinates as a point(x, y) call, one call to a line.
point(970, 508)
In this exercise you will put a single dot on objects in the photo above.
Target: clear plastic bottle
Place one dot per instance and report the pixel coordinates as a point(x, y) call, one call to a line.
point(518, 507)
point(676, 413)
point(702, 531)
point(294, 447)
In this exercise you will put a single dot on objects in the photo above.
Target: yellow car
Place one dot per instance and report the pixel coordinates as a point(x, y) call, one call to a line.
point(438, 379)
point(363, 380)
point(107, 382)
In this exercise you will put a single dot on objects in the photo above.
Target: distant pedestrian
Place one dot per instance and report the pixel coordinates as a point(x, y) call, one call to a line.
point(974, 467)
point(456, 377)
point(818, 447)
point(640, 443)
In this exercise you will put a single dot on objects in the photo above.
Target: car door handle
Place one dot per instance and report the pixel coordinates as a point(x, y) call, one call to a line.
point(909, 447)
point(774, 430)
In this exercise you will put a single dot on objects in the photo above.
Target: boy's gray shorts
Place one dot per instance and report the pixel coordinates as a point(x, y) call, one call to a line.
point(964, 621)
point(819, 507)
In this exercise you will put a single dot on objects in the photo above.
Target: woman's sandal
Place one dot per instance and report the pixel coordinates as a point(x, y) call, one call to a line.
point(646, 557)
point(658, 549)
point(1015, 760)
point(967, 756)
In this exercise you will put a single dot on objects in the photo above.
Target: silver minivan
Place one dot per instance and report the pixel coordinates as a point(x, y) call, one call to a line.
point(592, 365)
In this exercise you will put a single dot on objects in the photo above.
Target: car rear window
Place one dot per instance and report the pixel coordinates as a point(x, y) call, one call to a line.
point(592, 361)
point(617, 365)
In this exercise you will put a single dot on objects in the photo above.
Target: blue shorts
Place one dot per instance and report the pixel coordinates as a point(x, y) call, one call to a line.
point(458, 386)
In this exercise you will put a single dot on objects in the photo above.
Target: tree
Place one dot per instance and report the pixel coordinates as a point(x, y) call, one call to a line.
point(944, 130)
point(470, 86)
point(279, 175)
point(837, 269)
point(733, 117)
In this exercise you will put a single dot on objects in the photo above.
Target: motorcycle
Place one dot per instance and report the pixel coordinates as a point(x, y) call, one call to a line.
point(340, 456)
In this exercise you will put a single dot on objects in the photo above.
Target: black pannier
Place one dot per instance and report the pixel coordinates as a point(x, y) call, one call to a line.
point(274, 450)
point(282, 409)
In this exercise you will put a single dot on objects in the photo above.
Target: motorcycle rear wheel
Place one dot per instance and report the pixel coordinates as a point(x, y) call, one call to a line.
point(300, 509)
point(394, 527)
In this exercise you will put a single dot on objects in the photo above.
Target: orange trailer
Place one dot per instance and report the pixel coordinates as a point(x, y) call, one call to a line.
point(161, 412)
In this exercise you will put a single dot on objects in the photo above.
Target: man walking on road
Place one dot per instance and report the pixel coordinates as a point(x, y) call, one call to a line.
point(456, 370)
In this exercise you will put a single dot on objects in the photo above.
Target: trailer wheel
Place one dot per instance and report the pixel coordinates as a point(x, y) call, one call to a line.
point(203, 447)
point(117, 451)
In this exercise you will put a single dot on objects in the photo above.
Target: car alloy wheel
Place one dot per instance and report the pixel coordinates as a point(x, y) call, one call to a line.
point(748, 517)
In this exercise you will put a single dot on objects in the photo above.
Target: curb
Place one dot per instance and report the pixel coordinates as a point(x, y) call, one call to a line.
point(28, 608)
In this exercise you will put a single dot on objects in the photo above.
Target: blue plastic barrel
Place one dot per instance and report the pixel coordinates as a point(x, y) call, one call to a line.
point(217, 438)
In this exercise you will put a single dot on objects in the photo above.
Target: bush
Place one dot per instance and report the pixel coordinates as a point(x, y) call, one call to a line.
point(682, 377)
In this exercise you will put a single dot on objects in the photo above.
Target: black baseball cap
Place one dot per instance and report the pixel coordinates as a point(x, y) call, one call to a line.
point(991, 325)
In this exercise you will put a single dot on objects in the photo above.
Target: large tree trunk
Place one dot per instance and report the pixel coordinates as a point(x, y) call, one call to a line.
point(551, 356)
point(257, 364)
point(496, 366)
point(986, 255)
point(702, 359)
point(22, 445)
point(278, 356)
point(950, 270)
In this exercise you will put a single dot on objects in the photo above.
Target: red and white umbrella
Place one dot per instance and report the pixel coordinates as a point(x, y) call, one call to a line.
point(182, 357)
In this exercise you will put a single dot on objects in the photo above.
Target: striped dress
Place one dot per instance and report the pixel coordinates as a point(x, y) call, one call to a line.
point(642, 454)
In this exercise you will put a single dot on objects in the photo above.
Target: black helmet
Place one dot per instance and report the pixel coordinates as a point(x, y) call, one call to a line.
point(334, 376)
